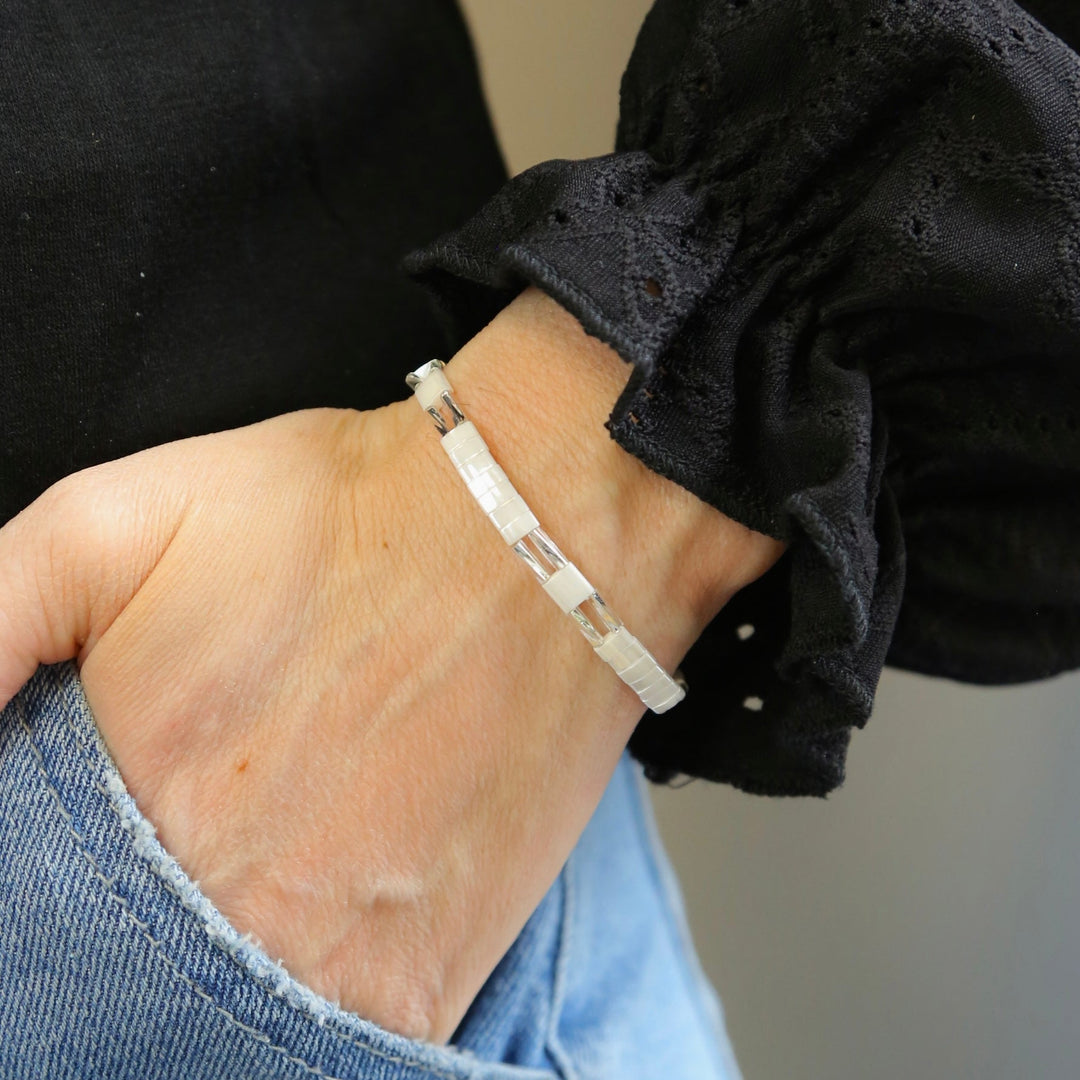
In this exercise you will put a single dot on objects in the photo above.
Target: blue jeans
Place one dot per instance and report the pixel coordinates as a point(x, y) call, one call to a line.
point(113, 964)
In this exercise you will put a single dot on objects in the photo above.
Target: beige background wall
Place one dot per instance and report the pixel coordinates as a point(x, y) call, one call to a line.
point(923, 921)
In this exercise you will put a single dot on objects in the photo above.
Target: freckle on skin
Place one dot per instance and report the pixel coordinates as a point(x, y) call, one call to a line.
point(385, 544)
point(242, 766)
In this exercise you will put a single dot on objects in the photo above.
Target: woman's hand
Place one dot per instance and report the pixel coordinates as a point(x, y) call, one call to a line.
point(351, 714)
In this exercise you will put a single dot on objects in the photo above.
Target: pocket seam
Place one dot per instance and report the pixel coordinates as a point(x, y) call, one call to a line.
point(677, 927)
point(130, 829)
point(559, 1056)
point(141, 927)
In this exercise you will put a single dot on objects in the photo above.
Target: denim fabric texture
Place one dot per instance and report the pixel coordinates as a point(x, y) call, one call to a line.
point(114, 965)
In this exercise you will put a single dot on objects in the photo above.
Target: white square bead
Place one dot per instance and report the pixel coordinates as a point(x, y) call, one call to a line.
point(568, 587)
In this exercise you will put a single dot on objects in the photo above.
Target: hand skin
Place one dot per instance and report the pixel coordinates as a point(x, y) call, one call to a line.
point(350, 712)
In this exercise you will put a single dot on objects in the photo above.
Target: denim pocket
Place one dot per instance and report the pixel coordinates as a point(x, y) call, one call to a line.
point(631, 1001)
point(113, 963)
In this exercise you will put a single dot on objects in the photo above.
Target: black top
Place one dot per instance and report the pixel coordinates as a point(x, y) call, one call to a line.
point(204, 207)
point(838, 242)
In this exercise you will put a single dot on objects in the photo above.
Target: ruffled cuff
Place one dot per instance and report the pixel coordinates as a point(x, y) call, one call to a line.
point(852, 310)
point(637, 257)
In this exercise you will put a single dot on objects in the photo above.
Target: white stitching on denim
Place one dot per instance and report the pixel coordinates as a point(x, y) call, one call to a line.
point(87, 754)
point(159, 950)
point(349, 1040)
point(678, 931)
point(555, 1048)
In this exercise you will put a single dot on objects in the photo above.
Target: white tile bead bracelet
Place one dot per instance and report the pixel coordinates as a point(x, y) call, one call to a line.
point(517, 525)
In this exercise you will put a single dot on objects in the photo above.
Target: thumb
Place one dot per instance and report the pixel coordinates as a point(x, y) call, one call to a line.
point(71, 561)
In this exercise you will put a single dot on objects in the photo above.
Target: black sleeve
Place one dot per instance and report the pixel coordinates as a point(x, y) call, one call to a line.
point(839, 244)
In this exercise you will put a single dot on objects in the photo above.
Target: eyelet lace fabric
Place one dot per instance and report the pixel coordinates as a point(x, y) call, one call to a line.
point(839, 243)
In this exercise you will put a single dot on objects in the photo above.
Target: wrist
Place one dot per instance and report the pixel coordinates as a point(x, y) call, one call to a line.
point(539, 389)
